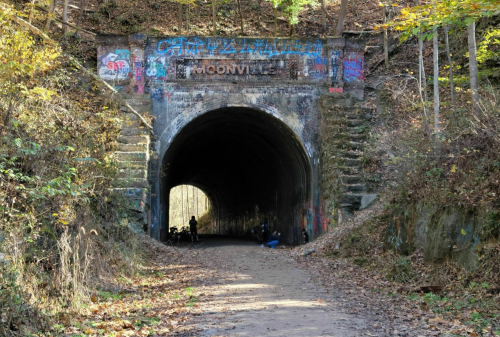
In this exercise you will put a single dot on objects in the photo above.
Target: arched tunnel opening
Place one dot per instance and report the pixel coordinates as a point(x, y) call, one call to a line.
point(251, 166)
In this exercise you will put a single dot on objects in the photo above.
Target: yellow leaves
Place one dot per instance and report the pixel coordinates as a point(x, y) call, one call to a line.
point(43, 93)
point(453, 169)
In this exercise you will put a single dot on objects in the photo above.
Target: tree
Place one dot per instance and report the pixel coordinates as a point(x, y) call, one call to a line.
point(323, 14)
point(342, 14)
point(450, 64)
point(292, 8)
point(435, 54)
point(473, 69)
point(457, 13)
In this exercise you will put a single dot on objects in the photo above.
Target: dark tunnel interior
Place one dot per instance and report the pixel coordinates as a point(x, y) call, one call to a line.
point(242, 159)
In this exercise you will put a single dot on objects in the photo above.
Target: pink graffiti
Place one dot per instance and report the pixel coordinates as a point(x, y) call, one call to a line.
point(336, 90)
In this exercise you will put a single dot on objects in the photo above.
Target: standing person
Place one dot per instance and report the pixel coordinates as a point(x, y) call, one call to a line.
point(192, 228)
point(273, 240)
point(265, 231)
point(305, 236)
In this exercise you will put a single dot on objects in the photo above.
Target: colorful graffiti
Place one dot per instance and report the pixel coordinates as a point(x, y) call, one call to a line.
point(162, 94)
point(115, 65)
point(353, 69)
point(157, 67)
point(182, 46)
point(335, 57)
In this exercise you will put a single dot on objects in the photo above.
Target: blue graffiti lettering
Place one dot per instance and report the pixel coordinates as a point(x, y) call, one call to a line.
point(194, 45)
point(320, 60)
point(123, 54)
point(313, 49)
point(247, 48)
point(168, 46)
point(270, 49)
point(227, 47)
point(287, 48)
point(211, 46)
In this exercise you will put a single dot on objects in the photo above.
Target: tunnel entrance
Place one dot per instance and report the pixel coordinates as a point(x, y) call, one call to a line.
point(250, 165)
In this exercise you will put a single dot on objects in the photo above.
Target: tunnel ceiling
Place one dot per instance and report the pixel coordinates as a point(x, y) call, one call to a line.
point(241, 158)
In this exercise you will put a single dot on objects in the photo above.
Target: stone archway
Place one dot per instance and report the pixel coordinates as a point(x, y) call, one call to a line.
point(247, 160)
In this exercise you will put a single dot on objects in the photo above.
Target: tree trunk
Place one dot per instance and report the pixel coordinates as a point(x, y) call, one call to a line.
point(424, 108)
point(386, 42)
point(436, 82)
point(182, 203)
point(241, 18)
point(450, 63)
point(188, 18)
point(49, 15)
point(275, 21)
point(179, 18)
point(65, 14)
point(258, 14)
point(80, 17)
point(342, 13)
point(421, 62)
point(214, 28)
point(353, 8)
point(323, 14)
point(473, 69)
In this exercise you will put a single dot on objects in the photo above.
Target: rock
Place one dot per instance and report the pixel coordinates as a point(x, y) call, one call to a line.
point(308, 252)
point(137, 229)
point(366, 200)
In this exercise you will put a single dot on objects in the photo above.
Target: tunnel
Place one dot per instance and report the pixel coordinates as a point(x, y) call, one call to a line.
point(249, 163)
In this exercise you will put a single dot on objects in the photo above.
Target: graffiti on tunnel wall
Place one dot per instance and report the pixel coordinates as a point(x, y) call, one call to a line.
point(176, 58)
point(115, 65)
point(353, 67)
point(184, 46)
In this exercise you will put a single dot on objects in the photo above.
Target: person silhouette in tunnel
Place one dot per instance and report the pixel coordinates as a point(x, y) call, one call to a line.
point(192, 228)
point(273, 240)
point(265, 231)
point(305, 236)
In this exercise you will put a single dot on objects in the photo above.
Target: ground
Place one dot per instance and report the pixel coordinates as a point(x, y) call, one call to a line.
point(230, 287)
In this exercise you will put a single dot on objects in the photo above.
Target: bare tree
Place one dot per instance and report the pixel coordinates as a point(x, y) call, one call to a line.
point(421, 75)
point(473, 68)
point(342, 14)
point(65, 14)
point(179, 18)
point(450, 64)
point(214, 18)
point(323, 14)
point(241, 18)
point(436, 81)
point(49, 15)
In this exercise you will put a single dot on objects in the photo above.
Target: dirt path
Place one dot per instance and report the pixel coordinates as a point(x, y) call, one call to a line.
point(267, 295)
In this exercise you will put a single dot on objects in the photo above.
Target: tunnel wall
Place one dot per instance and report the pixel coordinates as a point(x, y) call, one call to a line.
point(179, 79)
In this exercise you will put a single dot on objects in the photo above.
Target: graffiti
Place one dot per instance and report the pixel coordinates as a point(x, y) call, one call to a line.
point(162, 94)
point(337, 90)
point(227, 47)
point(170, 46)
point(317, 67)
point(353, 70)
point(182, 46)
point(334, 65)
point(115, 65)
point(234, 69)
point(139, 75)
point(158, 68)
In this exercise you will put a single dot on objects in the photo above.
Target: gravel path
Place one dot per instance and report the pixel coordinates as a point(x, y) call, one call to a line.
point(267, 295)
